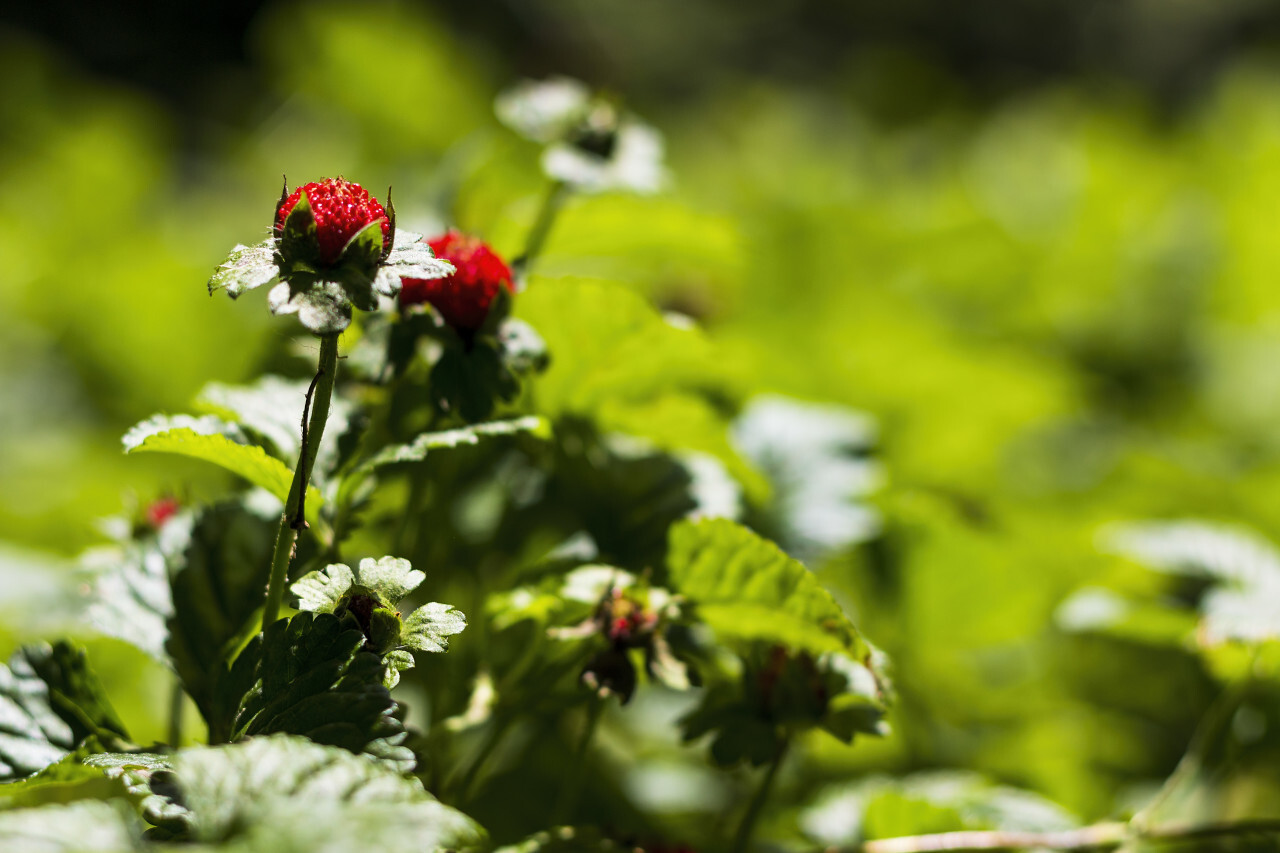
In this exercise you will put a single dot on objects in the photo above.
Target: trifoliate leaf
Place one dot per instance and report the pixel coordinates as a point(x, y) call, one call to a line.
point(418, 449)
point(288, 794)
point(217, 583)
point(312, 678)
point(746, 588)
point(428, 628)
point(205, 438)
point(246, 268)
point(86, 826)
point(322, 306)
point(49, 702)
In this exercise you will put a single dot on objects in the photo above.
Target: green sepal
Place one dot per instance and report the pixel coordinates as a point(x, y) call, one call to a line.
point(246, 268)
point(396, 662)
point(299, 244)
point(389, 579)
point(383, 631)
point(323, 306)
point(428, 628)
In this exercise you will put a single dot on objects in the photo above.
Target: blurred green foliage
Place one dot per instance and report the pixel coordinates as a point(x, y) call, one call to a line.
point(1061, 310)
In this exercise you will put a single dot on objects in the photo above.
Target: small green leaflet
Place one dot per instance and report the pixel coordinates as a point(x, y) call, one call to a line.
point(205, 438)
point(417, 450)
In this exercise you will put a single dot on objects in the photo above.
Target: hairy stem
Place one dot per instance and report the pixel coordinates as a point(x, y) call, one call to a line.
point(742, 838)
point(551, 204)
point(314, 415)
point(1099, 836)
point(569, 792)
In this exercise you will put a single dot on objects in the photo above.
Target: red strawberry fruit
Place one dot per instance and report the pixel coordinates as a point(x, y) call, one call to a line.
point(463, 299)
point(341, 209)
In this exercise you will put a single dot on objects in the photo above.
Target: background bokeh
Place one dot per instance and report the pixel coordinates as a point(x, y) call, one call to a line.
point(1034, 243)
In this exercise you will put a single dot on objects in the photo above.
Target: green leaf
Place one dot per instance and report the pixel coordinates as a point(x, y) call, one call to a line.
point(323, 306)
point(217, 584)
point(746, 588)
point(312, 678)
point(389, 578)
point(418, 449)
point(64, 781)
point(428, 628)
point(49, 702)
point(287, 794)
point(271, 408)
point(81, 827)
point(203, 439)
point(246, 268)
point(75, 694)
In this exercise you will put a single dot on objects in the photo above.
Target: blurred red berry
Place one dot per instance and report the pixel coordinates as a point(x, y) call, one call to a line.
point(463, 299)
point(341, 208)
point(160, 511)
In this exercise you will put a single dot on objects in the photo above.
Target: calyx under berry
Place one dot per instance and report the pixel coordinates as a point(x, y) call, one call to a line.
point(333, 247)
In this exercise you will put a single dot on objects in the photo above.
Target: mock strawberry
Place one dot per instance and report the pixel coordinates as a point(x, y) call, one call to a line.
point(161, 510)
point(341, 208)
point(463, 298)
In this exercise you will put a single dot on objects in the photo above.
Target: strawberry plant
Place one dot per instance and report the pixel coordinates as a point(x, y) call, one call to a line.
point(450, 604)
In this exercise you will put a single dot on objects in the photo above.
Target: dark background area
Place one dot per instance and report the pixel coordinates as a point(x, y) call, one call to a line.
point(925, 53)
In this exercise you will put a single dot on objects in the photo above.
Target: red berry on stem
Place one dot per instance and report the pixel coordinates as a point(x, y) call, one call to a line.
point(341, 208)
point(160, 511)
point(464, 298)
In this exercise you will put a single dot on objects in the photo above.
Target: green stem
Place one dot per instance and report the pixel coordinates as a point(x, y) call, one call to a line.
point(569, 793)
point(176, 704)
point(742, 838)
point(541, 228)
point(294, 517)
